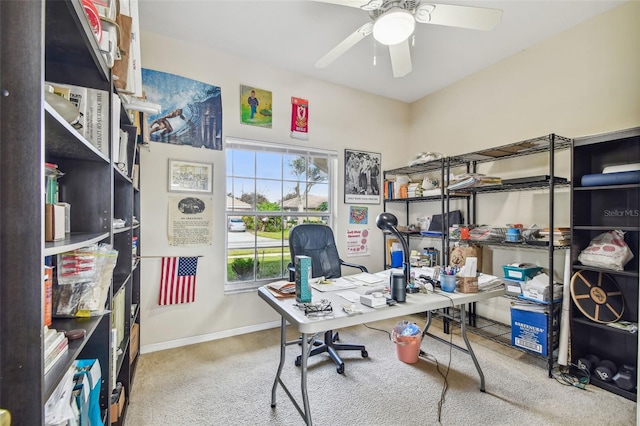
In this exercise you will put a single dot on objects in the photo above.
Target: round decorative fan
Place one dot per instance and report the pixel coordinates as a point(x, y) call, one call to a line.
point(597, 296)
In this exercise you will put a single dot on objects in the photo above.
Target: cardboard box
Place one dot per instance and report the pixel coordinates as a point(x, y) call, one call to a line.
point(134, 345)
point(468, 284)
point(54, 222)
point(303, 278)
point(117, 407)
point(529, 329)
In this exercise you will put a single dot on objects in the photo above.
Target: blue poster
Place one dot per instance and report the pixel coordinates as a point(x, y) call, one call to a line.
point(191, 111)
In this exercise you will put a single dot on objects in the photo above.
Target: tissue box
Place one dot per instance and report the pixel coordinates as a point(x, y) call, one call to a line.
point(468, 284)
point(303, 278)
point(372, 301)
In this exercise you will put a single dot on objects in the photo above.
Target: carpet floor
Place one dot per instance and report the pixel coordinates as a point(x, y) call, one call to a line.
point(229, 381)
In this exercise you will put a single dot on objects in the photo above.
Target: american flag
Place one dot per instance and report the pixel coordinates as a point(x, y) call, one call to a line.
point(178, 281)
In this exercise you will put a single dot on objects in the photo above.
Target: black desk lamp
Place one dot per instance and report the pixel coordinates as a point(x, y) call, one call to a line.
point(388, 222)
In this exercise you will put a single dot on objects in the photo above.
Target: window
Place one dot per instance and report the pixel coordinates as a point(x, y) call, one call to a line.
point(270, 188)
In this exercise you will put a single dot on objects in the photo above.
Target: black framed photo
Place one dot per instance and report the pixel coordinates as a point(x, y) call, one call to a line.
point(362, 177)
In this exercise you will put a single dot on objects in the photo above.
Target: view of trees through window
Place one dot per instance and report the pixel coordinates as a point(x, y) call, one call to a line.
point(271, 188)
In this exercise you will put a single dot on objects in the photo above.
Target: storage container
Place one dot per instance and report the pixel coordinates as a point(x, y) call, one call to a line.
point(521, 272)
point(529, 329)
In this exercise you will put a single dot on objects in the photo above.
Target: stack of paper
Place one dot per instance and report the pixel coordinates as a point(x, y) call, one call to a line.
point(488, 282)
point(333, 284)
point(364, 278)
point(561, 236)
point(282, 289)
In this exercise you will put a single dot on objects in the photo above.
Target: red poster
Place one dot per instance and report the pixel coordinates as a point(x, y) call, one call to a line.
point(299, 118)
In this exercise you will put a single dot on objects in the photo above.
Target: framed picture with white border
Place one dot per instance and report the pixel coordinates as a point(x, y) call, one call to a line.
point(189, 176)
point(362, 177)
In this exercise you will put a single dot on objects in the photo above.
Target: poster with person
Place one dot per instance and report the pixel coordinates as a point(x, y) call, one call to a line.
point(191, 111)
point(362, 177)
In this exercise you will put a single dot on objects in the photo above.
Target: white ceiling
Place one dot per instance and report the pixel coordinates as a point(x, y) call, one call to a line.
point(293, 35)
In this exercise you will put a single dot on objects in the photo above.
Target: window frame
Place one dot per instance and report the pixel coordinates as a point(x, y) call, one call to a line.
point(256, 146)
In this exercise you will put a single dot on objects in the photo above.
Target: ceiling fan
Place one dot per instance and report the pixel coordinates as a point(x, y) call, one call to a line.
point(393, 23)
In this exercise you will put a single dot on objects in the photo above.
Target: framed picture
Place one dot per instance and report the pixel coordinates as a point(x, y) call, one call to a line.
point(187, 176)
point(255, 106)
point(362, 177)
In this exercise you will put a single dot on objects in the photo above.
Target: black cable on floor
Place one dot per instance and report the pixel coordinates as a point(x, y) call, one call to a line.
point(378, 329)
point(566, 378)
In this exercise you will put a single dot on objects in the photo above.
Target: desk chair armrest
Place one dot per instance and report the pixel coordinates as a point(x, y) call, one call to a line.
point(353, 265)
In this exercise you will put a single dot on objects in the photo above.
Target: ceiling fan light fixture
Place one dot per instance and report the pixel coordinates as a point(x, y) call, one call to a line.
point(394, 27)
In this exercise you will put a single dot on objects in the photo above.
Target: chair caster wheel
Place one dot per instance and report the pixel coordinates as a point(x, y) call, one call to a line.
point(336, 337)
point(297, 362)
point(365, 354)
point(340, 369)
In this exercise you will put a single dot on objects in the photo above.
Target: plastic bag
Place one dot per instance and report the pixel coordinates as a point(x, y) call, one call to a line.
point(84, 280)
point(405, 332)
point(607, 250)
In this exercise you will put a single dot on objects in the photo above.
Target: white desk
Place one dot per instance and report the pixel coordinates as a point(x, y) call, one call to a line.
point(415, 303)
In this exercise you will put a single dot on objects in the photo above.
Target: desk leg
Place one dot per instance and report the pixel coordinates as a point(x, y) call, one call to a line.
point(463, 331)
point(303, 376)
point(306, 349)
point(283, 345)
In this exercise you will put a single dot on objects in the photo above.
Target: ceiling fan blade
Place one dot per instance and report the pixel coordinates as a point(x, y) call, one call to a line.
point(474, 18)
point(345, 45)
point(354, 3)
point(400, 59)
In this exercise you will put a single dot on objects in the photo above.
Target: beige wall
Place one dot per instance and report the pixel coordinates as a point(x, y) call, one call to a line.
point(581, 82)
point(339, 118)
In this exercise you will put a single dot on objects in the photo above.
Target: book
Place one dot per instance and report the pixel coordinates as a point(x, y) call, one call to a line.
point(134, 74)
point(49, 335)
point(55, 357)
point(55, 345)
point(93, 106)
point(96, 123)
point(48, 294)
point(54, 223)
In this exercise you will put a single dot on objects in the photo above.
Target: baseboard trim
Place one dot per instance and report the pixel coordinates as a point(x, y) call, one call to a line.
point(171, 344)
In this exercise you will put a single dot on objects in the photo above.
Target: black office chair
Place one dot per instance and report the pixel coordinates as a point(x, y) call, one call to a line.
point(317, 242)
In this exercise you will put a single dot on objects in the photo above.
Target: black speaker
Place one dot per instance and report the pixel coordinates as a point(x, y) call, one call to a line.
point(398, 288)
